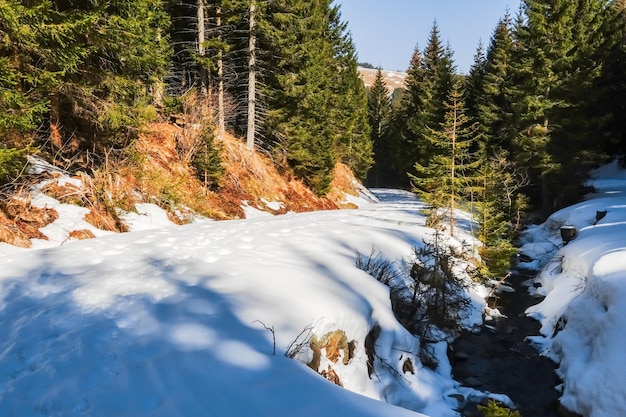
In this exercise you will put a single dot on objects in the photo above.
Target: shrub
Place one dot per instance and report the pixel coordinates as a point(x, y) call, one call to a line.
point(493, 409)
point(498, 257)
point(439, 292)
point(12, 163)
point(207, 160)
point(377, 266)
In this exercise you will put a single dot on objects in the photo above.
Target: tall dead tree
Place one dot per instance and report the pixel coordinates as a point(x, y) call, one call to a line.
point(251, 79)
point(220, 79)
point(201, 45)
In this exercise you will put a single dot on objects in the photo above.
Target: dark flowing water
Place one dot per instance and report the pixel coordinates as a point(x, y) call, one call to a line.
point(501, 361)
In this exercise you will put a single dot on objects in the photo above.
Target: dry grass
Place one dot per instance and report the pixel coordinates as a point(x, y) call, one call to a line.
point(252, 176)
point(81, 234)
point(343, 183)
point(156, 169)
point(335, 347)
point(20, 221)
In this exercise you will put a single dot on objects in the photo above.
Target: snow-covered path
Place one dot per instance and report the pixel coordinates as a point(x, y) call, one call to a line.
point(171, 321)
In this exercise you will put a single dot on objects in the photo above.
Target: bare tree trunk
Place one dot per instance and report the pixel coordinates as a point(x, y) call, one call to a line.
point(251, 80)
point(221, 127)
point(201, 50)
point(453, 169)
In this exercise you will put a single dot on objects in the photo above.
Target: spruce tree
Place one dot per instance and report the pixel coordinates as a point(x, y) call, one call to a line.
point(439, 76)
point(316, 104)
point(494, 113)
point(21, 108)
point(407, 125)
point(608, 106)
point(379, 105)
point(94, 65)
point(474, 83)
point(348, 113)
point(553, 72)
point(298, 89)
point(445, 180)
point(498, 206)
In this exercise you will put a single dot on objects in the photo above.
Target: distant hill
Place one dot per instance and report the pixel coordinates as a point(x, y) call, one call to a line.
point(393, 79)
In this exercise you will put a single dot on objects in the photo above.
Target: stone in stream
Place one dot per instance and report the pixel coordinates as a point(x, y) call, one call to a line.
point(564, 412)
point(461, 356)
point(472, 382)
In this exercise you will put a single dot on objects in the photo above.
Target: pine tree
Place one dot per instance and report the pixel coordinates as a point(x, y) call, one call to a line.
point(445, 180)
point(495, 110)
point(349, 109)
point(436, 85)
point(98, 62)
point(379, 105)
point(474, 83)
point(407, 125)
point(553, 73)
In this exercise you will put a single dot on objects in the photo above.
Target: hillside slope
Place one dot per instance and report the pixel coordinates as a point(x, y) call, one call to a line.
point(157, 170)
point(393, 79)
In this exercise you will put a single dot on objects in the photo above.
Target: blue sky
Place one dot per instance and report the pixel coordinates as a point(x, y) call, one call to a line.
point(386, 31)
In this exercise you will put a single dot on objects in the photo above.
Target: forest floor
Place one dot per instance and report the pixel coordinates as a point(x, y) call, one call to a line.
point(498, 359)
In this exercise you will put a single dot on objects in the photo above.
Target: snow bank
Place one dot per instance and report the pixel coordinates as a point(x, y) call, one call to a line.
point(584, 283)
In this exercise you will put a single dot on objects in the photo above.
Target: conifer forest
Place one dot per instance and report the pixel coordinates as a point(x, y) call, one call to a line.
point(542, 104)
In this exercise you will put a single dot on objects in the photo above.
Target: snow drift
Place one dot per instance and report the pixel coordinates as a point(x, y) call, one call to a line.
point(195, 320)
point(584, 283)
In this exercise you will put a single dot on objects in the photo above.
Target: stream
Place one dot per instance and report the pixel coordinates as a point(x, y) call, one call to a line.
point(499, 360)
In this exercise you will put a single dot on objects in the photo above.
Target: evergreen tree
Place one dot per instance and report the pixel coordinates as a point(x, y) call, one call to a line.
point(498, 205)
point(553, 72)
point(434, 89)
point(609, 105)
point(85, 68)
point(379, 105)
point(298, 90)
point(407, 125)
point(20, 109)
point(316, 104)
point(349, 107)
point(494, 112)
point(445, 180)
point(440, 77)
point(474, 83)
point(422, 108)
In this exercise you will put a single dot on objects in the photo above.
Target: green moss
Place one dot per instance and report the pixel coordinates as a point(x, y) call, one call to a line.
point(493, 409)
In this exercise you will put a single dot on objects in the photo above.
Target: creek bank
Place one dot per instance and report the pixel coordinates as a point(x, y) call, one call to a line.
point(498, 359)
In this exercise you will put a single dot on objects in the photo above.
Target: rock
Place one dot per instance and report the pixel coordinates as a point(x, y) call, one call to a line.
point(461, 356)
point(564, 412)
point(472, 382)
point(460, 398)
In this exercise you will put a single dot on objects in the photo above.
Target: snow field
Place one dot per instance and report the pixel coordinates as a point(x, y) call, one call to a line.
point(173, 321)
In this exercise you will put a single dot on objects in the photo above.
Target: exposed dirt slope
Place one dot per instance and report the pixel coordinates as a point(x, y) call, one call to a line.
point(157, 170)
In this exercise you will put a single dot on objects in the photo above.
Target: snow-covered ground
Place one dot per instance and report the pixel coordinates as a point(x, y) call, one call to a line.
point(194, 320)
point(584, 313)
